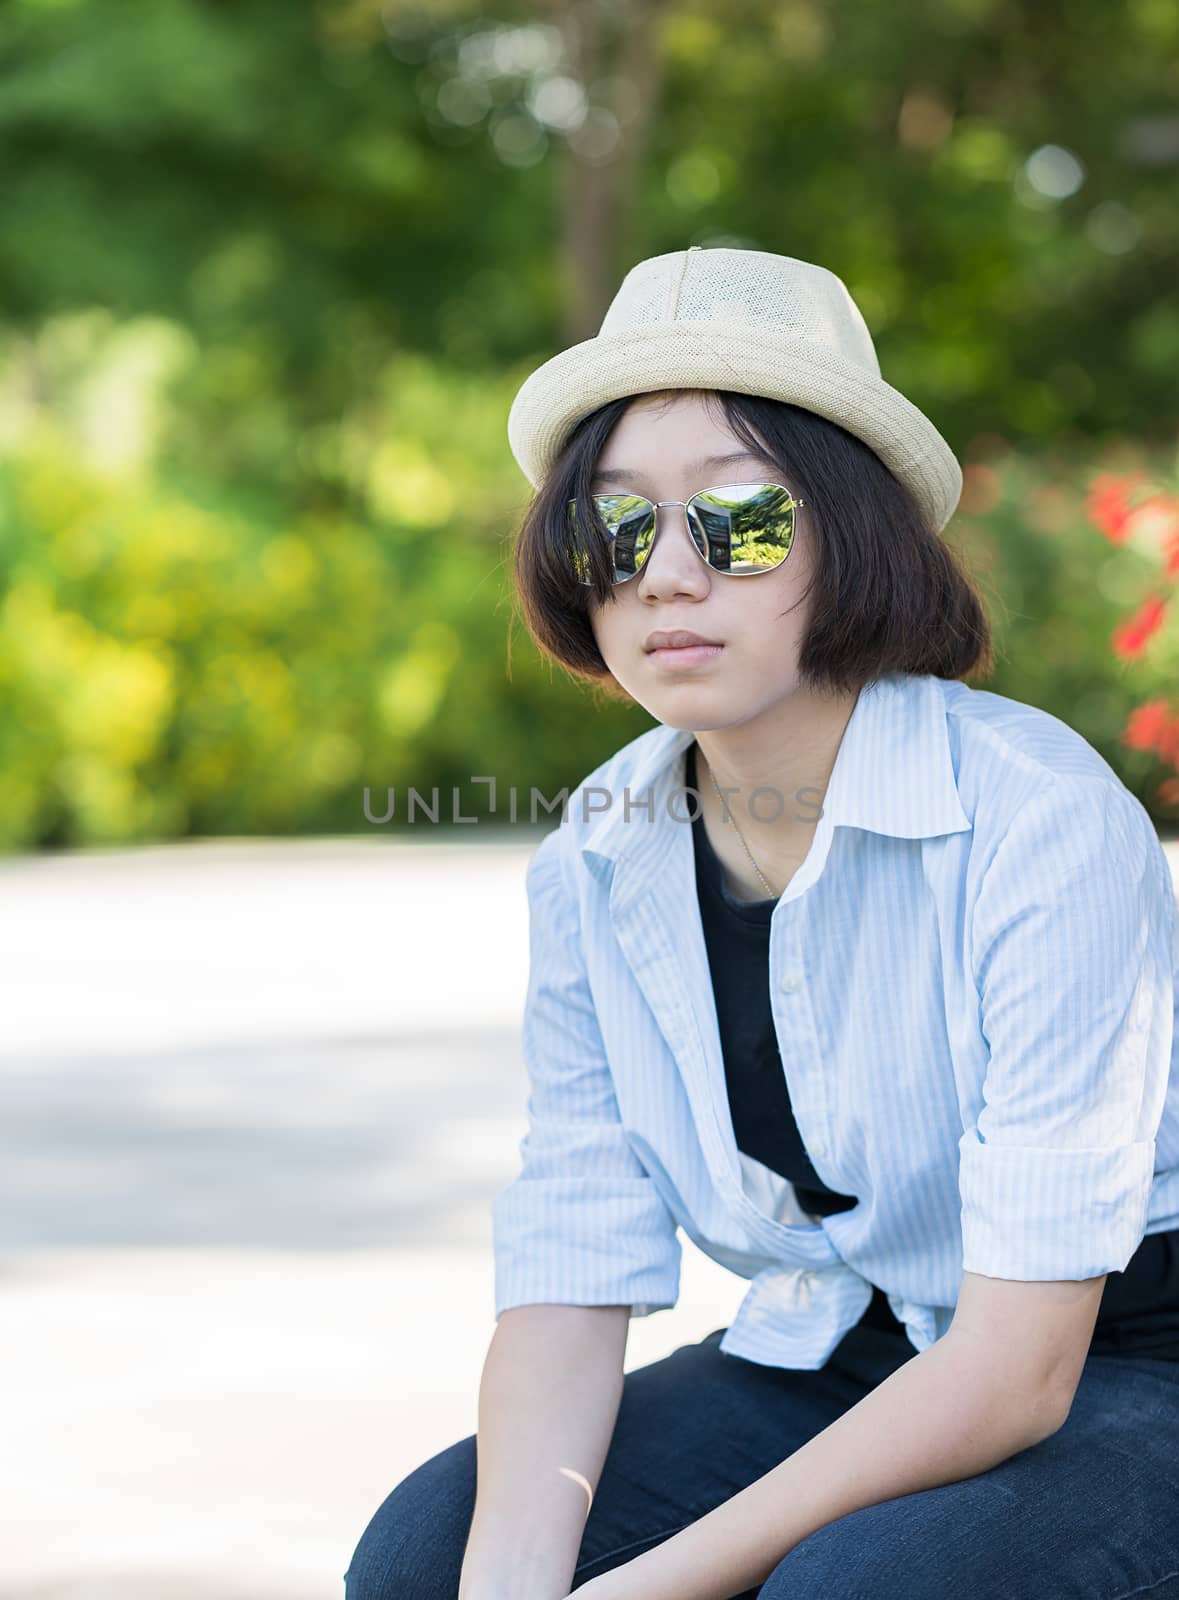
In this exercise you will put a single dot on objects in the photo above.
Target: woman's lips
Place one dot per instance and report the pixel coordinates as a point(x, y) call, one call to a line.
point(684, 655)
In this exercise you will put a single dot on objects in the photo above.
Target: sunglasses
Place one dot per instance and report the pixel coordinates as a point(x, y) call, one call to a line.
point(742, 529)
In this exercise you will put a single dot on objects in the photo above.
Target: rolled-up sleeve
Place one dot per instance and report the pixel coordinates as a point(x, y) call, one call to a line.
point(582, 1223)
point(1073, 950)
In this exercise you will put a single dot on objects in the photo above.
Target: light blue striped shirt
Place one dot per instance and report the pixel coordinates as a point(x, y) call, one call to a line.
point(972, 979)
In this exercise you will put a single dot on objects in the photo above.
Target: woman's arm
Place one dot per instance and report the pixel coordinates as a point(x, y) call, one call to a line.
point(959, 1407)
point(583, 1241)
point(548, 1402)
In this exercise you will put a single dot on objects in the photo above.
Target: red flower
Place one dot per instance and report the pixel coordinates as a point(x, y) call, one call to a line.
point(1107, 506)
point(1147, 725)
point(1130, 638)
point(1168, 792)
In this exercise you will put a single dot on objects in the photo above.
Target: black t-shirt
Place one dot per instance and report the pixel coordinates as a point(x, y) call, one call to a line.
point(1139, 1312)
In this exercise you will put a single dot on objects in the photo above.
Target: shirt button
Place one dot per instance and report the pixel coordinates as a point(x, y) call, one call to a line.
point(792, 982)
point(819, 1148)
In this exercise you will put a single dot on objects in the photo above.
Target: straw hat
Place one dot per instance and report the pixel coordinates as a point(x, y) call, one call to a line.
point(749, 320)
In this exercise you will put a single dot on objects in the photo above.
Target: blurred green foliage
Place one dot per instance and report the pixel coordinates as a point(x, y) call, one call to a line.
point(271, 274)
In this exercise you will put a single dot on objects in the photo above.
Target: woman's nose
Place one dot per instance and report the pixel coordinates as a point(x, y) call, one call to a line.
point(674, 557)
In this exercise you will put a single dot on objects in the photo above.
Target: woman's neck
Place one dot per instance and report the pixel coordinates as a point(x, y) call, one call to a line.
point(773, 784)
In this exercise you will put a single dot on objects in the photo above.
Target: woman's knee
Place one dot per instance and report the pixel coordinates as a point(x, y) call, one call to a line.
point(957, 1537)
point(847, 1557)
point(413, 1546)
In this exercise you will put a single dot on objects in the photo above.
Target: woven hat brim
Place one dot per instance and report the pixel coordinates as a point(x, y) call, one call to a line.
point(735, 356)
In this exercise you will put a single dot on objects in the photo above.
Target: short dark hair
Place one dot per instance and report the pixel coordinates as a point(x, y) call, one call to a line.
point(891, 596)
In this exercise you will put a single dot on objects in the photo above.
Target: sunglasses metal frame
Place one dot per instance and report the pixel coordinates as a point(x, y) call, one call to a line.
point(712, 489)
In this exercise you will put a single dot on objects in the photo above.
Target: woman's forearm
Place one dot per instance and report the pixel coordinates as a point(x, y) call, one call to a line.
point(548, 1402)
point(939, 1417)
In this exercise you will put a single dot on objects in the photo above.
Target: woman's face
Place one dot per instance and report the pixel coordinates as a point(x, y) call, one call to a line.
point(759, 622)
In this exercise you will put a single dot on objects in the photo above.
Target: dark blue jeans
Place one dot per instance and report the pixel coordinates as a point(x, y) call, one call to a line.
point(1091, 1513)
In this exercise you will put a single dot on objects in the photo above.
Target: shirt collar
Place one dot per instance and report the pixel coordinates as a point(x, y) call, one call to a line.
point(893, 774)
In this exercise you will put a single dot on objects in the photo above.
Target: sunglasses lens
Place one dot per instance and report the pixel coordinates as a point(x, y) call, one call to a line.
point(629, 521)
point(748, 527)
point(740, 528)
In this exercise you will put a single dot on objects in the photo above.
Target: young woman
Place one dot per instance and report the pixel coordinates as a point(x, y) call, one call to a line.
point(862, 977)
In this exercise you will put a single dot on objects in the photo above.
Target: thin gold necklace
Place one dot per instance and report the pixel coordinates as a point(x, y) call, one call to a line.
point(725, 812)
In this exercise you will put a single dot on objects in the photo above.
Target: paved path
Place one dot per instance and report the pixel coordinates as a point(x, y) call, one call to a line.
point(255, 1098)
